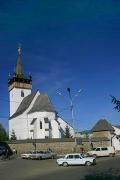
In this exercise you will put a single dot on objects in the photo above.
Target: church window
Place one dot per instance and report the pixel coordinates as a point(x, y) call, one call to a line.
point(46, 137)
point(40, 125)
point(22, 93)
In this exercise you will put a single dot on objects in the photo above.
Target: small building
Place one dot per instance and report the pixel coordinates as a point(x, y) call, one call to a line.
point(32, 114)
point(103, 129)
point(106, 134)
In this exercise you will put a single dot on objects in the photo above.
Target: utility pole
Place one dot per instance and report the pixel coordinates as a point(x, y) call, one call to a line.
point(72, 109)
point(72, 105)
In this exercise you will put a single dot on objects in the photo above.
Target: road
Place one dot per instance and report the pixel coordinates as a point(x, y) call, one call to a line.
point(19, 169)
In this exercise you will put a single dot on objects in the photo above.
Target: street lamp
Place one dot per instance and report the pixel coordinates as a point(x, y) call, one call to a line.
point(71, 108)
point(71, 105)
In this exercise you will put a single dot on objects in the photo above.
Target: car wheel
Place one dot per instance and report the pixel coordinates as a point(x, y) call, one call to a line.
point(40, 158)
point(65, 164)
point(88, 163)
point(52, 157)
point(94, 162)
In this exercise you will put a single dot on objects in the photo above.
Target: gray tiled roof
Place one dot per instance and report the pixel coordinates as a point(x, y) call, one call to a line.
point(102, 125)
point(24, 105)
point(41, 104)
point(117, 126)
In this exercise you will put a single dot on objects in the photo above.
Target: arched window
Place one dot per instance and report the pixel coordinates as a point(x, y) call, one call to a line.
point(22, 93)
point(40, 124)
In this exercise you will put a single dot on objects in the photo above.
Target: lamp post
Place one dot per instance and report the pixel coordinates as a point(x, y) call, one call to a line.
point(71, 105)
point(72, 109)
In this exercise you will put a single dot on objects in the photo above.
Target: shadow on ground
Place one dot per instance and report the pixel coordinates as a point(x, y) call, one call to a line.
point(101, 177)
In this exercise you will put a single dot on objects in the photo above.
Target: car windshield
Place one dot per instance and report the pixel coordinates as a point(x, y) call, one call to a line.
point(83, 155)
point(93, 149)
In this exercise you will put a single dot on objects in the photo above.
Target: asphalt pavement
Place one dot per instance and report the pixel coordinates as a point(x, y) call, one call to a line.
point(20, 169)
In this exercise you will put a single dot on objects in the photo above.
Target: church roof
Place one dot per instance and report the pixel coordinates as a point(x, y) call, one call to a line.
point(117, 126)
point(24, 105)
point(102, 125)
point(41, 104)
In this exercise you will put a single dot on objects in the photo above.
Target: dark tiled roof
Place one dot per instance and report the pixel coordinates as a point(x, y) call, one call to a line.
point(102, 125)
point(24, 105)
point(117, 126)
point(41, 104)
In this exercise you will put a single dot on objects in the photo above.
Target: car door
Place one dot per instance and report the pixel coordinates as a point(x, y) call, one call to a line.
point(78, 159)
point(104, 151)
point(98, 152)
point(70, 159)
point(43, 154)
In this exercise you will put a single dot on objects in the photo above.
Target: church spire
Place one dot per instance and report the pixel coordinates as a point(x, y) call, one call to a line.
point(19, 69)
point(19, 79)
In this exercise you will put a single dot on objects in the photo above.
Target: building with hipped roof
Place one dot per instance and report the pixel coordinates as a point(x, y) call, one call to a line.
point(32, 114)
point(103, 129)
point(103, 133)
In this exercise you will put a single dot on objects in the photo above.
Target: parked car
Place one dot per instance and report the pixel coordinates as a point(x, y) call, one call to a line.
point(52, 154)
point(76, 159)
point(102, 151)
point(27, 155)
point(42, 155)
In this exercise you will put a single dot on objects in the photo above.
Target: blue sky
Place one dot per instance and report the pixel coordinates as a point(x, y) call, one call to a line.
point(65, 43)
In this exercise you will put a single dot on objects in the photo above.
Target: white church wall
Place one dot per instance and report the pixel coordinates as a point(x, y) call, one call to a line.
point(55, 133)
point(63, 125)
point(116, 139)
point(117, 130)
point(41, 133)
point(55, 129)
point(116, 143)
point(16, 99)
point(19, 125)
point(37, 132)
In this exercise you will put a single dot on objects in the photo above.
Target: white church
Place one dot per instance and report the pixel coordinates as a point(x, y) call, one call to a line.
point(32, 114)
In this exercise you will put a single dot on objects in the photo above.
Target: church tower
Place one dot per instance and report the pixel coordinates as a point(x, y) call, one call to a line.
point(19, 85)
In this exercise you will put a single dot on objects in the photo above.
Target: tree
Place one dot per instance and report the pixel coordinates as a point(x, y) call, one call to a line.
point(67, 132)
point(13, 135)
point(3, 133)
point(116, 102)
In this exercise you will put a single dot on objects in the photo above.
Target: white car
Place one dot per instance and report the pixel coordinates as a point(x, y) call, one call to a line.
point(42, 155)
point(76, 159)
point(102, 151)
point(26, 155)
